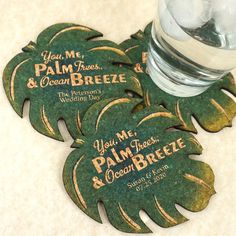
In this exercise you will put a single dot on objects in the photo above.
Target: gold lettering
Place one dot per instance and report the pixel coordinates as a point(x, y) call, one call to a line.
point(98, 79)
point(118, 160)
point(70, 54)
point(100, 148)
point(88, 80)
point(130, 133)
point(50, 71)
point(159, 154)
point(167, 150)
point(122, 136)
point(122, 78)
point(181, 143)
point(119, 174)
point(98, 162)
point(76, 79)
point(109, 176)
point(57, 65)
point(110, 163)
point(67, 69)
point(39, 68)
point(46, 81)
point(46, 56)
point(174, 147)
point(151, 158)
point(126, 154)
point(139, 162)
point(106, 79)
point(144, 57)
point(114, 79)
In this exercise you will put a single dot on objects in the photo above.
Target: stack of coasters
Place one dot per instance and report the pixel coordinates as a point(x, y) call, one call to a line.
point(213, 109)
point(131, 154)
point(63, 74)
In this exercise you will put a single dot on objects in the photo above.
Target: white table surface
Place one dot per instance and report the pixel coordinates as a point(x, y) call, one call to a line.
point(32, 197)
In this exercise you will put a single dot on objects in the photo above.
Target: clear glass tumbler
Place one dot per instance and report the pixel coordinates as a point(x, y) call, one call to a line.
point(193, 44)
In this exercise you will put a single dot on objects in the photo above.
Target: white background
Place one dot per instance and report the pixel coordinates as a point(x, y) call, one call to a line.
point(32, 197)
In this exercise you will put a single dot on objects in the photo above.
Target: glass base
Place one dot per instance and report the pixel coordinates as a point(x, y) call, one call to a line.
point(172, 87)
point(176, 74)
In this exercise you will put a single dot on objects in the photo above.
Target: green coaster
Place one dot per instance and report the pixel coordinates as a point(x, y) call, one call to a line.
point(63, 74)
point(132, 161)
point(213, 109)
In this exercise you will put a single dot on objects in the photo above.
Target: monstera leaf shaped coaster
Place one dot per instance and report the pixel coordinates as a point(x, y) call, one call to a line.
point(213, 109)
point(132, 161)
point(63, 74)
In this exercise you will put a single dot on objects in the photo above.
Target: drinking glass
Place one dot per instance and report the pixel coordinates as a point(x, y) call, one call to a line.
point(193, 44)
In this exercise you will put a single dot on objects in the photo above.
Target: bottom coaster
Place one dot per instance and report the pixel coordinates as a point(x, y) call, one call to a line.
point(133, 161)
point(213, 109)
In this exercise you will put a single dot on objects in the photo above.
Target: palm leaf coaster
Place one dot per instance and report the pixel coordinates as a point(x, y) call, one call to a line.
point(132, 161)
point(213, 109)
point(63, 74)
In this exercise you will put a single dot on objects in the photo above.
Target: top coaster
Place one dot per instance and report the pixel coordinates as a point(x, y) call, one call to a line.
point(133, 161)
point(213, 109)
point(63, 74)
